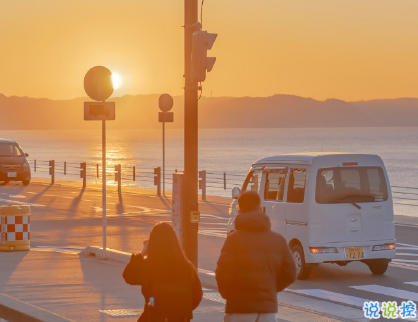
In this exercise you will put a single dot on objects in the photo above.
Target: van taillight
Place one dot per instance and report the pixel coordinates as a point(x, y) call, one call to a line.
point(350, 163)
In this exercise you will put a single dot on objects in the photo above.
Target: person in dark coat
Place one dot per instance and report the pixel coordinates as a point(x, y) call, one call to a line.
point(255, 264)
point(170, 284)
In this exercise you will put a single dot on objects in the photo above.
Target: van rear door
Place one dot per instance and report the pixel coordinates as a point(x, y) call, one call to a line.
point(352, 204)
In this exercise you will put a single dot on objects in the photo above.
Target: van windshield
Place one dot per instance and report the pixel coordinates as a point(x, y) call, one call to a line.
point(350, 184)
point(10, 150)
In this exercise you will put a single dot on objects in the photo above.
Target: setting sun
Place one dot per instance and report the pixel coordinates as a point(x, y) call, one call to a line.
point(115, 80)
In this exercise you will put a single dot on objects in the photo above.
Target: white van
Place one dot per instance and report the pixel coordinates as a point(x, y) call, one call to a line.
point(330, 207)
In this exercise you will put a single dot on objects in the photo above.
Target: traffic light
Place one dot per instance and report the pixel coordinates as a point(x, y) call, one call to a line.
point(202, 41)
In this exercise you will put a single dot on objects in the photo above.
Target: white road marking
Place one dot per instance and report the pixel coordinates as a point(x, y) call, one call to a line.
point(412, 283)
point(396, 260)
point(22, 203)
point(211, 233)
point(406, 248)
point(213, 216)
point(406, 254)
point(403, 264)
point(413, 246)
point(332, 296)
point(66, 250)
point(405, 225)
point(214, 203)
point(390, 291)
point(17, 196)
point(98, 209)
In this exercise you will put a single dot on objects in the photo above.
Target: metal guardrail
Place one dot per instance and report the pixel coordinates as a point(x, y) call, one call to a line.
point(404, 196)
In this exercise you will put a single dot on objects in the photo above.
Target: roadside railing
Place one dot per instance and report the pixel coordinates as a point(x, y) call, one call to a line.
point(146, 177)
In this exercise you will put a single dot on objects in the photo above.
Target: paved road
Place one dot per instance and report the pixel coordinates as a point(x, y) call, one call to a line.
point(65, 219)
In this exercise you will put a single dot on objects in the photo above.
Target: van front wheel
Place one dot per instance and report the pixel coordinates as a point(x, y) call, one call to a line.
point(302, 272)
point(378, 266)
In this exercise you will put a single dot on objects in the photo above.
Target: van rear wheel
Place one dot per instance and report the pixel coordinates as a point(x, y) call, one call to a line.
point(378, 266)
point(25, 182)
point(302, 271)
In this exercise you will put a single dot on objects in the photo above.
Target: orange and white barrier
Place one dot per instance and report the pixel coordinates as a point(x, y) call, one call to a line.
point(15, 228)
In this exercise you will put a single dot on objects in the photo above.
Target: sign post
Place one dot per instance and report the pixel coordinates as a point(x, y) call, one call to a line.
point(98, 86)
point(165, 103)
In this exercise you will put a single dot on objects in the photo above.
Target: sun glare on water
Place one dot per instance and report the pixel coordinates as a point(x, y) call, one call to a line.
point(115, 80)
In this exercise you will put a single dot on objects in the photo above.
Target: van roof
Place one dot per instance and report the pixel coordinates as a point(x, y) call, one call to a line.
point(6, 141)
point(308, 157)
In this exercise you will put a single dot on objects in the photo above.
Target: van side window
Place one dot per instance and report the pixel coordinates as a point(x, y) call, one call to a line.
point(252, 182)
point(274, 189)
point(297, 181)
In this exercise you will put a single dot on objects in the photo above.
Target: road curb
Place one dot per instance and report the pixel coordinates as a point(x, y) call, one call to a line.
point(112, 254)
point(206, 277)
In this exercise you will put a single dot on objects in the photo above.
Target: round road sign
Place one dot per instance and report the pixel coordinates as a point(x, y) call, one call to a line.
point(165, 102)
point(98, 83)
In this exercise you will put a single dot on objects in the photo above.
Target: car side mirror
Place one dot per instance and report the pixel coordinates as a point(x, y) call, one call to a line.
point(26, 154)
point(235, 193)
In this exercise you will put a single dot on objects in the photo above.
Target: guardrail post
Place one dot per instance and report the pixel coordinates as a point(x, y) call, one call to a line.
point(34, 166)
point(202, 183)
point(65, 167)
point(52, 170)
point(157, 179)
point(224, 180)
point(118, 177)
point(97, 167)
point(133, 173)
point(83, 173)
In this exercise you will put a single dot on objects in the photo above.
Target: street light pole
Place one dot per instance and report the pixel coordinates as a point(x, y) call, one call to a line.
point(104, 185)
point(190, 191)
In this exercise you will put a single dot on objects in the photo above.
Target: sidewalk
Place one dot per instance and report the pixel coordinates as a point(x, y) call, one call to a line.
point(80, 287)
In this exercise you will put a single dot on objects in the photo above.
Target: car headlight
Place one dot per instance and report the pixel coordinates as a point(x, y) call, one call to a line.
point(26, 166)
point(384, 247)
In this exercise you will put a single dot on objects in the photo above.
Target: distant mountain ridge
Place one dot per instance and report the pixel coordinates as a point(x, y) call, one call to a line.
point(141, 112)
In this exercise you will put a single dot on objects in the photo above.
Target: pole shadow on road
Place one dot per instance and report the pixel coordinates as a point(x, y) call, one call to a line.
point(76, 201)
point(166, 202)
point(37, 196)
point(105, 277)
point(9, 261)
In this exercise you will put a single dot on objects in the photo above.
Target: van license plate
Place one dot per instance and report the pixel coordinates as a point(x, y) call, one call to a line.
point(354, 252)
point(12, 174)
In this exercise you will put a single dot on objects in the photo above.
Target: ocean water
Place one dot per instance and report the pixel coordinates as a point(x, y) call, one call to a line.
point(230, 151)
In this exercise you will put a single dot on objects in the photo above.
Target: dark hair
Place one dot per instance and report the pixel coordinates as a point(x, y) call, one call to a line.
point(164, 252)
point(249, 201)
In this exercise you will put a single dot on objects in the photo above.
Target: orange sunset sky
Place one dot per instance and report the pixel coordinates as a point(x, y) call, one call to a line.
point(351, 50)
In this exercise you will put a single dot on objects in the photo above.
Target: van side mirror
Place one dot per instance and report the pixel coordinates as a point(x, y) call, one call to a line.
point(235, 193)
point(26, 154)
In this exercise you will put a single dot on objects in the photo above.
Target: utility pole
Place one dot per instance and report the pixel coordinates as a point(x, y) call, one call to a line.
point(190, 185)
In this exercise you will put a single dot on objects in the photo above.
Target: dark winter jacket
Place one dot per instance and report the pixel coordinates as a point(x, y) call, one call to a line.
point(255, 263)
point(175, 295)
